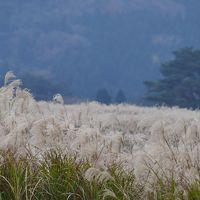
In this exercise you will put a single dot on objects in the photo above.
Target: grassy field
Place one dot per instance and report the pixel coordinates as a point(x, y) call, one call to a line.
point(49, 150)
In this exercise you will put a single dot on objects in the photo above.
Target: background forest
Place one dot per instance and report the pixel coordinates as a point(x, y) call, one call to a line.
point(78, 47)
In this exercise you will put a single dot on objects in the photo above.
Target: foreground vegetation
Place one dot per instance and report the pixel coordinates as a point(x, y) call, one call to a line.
point(105, 152)
point(55, 176)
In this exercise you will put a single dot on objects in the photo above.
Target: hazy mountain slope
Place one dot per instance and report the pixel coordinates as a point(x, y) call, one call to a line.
point(91, 44)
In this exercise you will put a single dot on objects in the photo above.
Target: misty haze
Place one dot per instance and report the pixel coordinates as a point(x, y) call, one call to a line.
point(79, 47)
point(99, 99)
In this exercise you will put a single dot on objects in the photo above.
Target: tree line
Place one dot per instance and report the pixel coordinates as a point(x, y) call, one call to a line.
point(180, 82)
point(178, 86)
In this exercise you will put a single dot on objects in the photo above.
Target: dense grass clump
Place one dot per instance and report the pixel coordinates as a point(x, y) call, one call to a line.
point(56, 176)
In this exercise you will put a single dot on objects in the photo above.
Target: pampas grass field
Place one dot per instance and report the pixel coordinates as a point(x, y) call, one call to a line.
point(89, 151)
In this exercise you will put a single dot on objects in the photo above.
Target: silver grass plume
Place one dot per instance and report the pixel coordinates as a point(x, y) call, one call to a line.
point(8, 77)
point(100, 176)
point(58, 99)
point(108, 193)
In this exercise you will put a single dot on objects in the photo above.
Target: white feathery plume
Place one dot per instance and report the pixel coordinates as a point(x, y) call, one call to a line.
point(58, 99)
point(91, 173)
point(116, 143)
point(100, 176)
point(9, 75)
point(104, 176)
point(24, 94)
point(14, 84)
point(108, 193)
point(192, 133)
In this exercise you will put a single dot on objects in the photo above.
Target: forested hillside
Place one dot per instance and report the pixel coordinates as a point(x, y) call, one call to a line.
point(80, 44)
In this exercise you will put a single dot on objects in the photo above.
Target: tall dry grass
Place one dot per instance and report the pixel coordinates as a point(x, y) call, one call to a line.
point(159, 146)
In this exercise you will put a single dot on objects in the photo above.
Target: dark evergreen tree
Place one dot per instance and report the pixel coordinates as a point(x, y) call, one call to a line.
point(120, 97)
point(103, 96)
point(180, 84)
